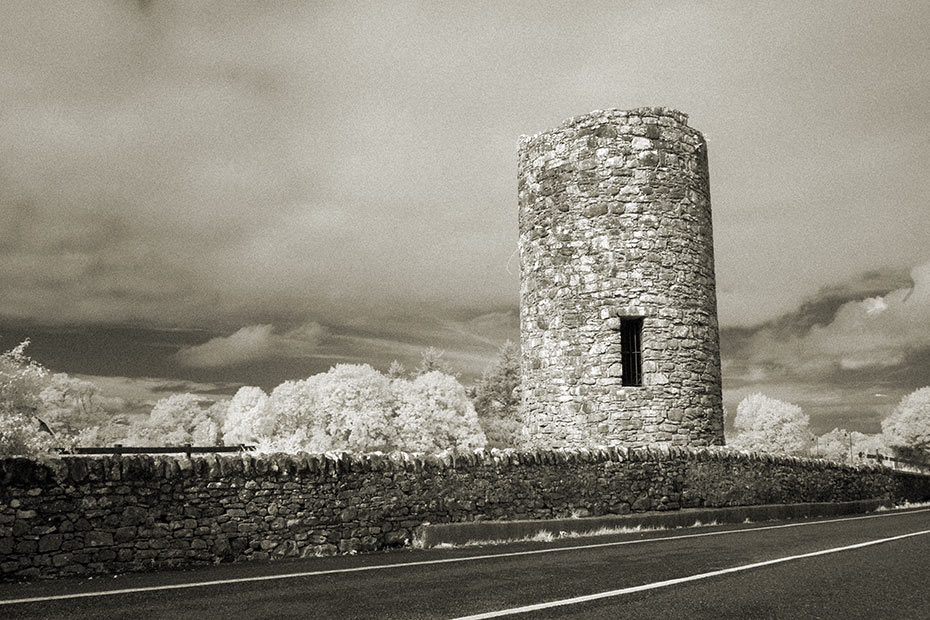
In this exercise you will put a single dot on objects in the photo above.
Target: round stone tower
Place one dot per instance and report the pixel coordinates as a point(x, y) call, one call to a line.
point(618, 312)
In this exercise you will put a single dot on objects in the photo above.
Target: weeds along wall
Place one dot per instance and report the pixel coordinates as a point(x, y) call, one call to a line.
point(615, 227)
point(87, 515)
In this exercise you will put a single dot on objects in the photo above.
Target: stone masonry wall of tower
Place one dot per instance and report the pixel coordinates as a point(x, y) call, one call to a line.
point(615, 224)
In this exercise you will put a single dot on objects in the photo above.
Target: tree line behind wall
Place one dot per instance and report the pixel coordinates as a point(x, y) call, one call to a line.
point(764, 424)
point(357, 408)
point(351, 407)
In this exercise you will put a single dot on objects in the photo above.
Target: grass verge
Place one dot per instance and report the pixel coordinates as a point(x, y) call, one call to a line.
point(547, 536)
point(903, 505)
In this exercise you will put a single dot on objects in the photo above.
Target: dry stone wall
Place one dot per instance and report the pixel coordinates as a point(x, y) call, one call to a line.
point(88, 515)
point(615, 221)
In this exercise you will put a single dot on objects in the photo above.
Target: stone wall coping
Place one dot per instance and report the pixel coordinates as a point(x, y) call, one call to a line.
point(597, 117)
point(25, 472)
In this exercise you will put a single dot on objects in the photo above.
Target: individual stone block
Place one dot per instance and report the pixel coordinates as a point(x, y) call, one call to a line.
point(98, 539)
point(50, 542)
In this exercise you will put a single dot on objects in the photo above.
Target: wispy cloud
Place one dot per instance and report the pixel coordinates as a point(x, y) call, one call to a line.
point(491, 328)
point(253, 343)
point(135, 395)
point(469, 344)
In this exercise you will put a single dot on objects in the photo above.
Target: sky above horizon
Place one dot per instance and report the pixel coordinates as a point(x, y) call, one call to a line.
point(201, 195)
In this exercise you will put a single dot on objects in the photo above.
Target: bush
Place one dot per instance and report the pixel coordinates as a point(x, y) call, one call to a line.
point(22, 435)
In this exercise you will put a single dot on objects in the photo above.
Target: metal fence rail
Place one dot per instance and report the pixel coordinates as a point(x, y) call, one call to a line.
point(898, 463)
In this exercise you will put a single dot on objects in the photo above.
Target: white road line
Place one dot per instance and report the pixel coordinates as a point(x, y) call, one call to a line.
point(473, 558)
point(671, 582)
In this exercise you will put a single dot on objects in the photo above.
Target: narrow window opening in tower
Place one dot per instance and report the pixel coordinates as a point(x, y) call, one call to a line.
point(631, 351)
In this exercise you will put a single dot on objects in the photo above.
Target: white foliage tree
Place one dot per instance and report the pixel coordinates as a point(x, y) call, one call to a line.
point(765, 424)
point(177, 420)
point(71, 406)
point(21, 381)
point(907, 429)
point(22, 432)
point(434, 413)
point(358, 409)
point(205, 432)
point(354, 403)
point(431, 359)
point(848, 446)
point(249, 417)
point(833, 446)
point(293, 404)
point(396, 370)
point(347, 408)
point(68, 411)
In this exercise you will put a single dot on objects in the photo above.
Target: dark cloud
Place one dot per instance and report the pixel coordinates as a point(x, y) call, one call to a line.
point(847, 355)
point(864, 334)
point(821, 308)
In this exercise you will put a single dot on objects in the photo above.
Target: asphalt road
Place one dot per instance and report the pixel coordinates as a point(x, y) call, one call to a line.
point(873, 567)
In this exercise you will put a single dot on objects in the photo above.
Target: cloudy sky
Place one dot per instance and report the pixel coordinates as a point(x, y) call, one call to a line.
point(200, 195)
